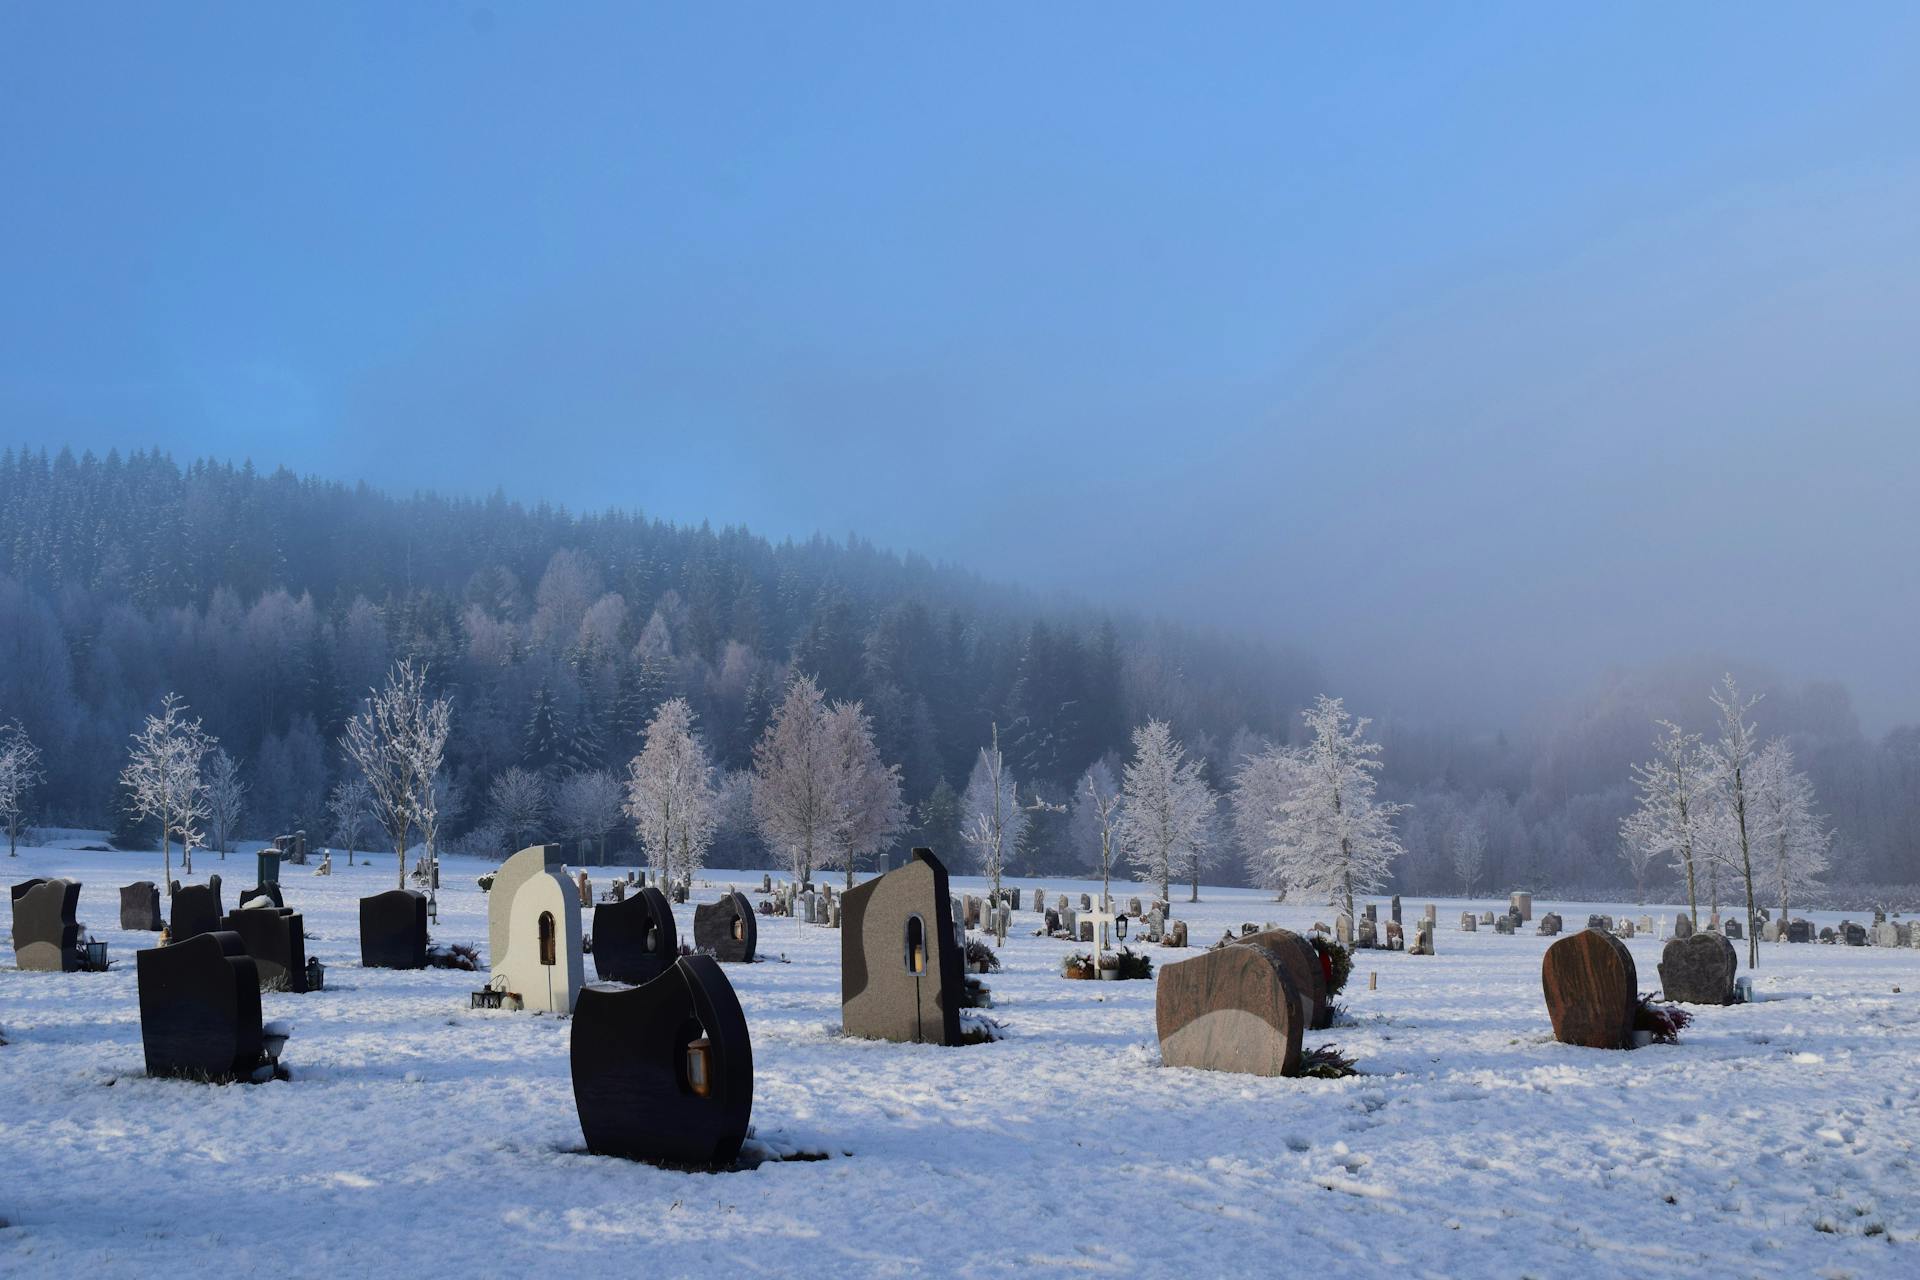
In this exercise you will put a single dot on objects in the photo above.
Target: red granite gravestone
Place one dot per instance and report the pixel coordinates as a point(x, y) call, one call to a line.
point(1302, 964)
point(1592, 990)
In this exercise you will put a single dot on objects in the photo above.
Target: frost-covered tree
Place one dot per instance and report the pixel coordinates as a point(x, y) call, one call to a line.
point(670, 794)
point(588, 805)
point(1166, 807)
point(164, 779)
point(1675, 804)
point(1095, 823)
point(1334, 837)
point(20, 773)
point(1794, 837)
point(868, 811)
point(1639, 858)
point(396, 740)
point(793, 797)
point(349, 810)
point(1469, 849)
point(1261, 787)
point(517, 803)
point(1732, 757)
point(226, 799)
point(991, 819)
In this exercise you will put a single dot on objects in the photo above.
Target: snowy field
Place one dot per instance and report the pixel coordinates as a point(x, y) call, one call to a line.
point(416, 1136)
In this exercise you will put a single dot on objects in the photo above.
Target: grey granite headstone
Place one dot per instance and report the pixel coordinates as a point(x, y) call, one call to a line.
point(900, 966)
point(1469, 923)
point(1699, 969)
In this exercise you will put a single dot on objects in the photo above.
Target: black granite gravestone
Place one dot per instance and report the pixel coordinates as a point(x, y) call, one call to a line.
point(140, 907)
point(275, 938)
point(200, 1008)
point(634, 940)
point(195, 909)
point(393, 930)
point(900, 972)
point(45, 935)
point(664, 1071)
point(270, 890)
point(726, 929)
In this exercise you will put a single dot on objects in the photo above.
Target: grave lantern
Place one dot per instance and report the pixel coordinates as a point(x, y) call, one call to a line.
point(699, 1063)
point(96, 954)
point(1120, 927)
point(547, 956)
point(916, 946)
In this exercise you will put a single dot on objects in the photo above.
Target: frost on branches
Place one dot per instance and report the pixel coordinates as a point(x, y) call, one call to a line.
point(1731, 758)
point(793, 800)
point(1166, 808)
point(868, 811)
point(991, 819)
point(586, 806)
point(1332, 838)
point(670, 795)
point(20, 773)
point(396, 739)
point(226, 799)
point(1794, 838)
point(164, 782)
point(1674, 802)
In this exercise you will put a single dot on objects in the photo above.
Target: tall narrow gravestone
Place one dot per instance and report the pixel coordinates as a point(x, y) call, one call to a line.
point(200, 1008)
point(900, 973)
point(1698, 969)
point(276, 939)
point(634, 940)
point(45, 934)
point(533, 929)
point(727, 931)
point(1591, 989)
point(664, 1071)
point(393, 930)
point(140, 907)
point(1232, 1009)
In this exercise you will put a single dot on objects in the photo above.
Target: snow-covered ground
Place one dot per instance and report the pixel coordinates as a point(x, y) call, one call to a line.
point(417, 1136)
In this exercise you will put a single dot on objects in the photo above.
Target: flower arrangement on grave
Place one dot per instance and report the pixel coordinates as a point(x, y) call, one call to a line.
point(1326, 1063)
point(460, 955)
point(975, 994)
point(980, 957)
point(977, 1028)
point(1132, 964)
point(1336, 962)
point(1664, 1022)
point(1078, 966)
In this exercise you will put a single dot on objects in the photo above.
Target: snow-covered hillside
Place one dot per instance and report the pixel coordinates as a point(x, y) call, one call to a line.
point(417, 1136)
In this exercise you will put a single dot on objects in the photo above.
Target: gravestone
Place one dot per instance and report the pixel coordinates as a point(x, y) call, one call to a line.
point(1371, 911)
point(1521, 901)
point(1040, 901)
point(1396, 909)
point(726, 929)
point(267, 893)
point(974, 906)
point(140, 907)
point(1624, 929)
point(1591, 989)
point(1486, 917)
point(393, 930)
point(1469, 923)
point(1052, 921)
point(1304, 973)
point(46, 937)
point(1735, 930)
point(1232, 1009)
point(1133, 907)
point(276, 939)
point(1086, 902)
point(900, 966)
point(1422, 938)
point(1645, 924)
point(1070, 921)
point(1177, 934)
point(1683, 926)
point(1086, 931)
point(766, 882)
point(1854, 935)
point(194, 909)
point(1503, 924)
point(1800, 930)
point(664, 1071)
point(1343, 929)
point(1550, 925)
point(200, 1008)
point(1154, 927)
point(1770, 931)
point(1013, 899)
point(635, 940)
point(1396, 936)
point(533, 929)
point(1699, 969)
point(1369, 937)
point(1432, 914)
point(1599, 922)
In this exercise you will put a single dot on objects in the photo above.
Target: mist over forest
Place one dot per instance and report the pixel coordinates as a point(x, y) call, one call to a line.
point(272, 603)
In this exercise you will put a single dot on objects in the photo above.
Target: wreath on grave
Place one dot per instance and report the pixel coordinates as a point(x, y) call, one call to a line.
point(1336, 963)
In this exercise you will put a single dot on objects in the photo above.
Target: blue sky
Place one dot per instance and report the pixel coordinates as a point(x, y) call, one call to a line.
point(1475, 347)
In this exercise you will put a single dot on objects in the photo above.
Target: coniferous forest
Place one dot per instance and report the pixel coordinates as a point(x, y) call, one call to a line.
point(272, 603)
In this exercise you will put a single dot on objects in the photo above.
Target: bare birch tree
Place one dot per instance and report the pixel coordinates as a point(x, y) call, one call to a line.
point(164, 781)
point(20, 773)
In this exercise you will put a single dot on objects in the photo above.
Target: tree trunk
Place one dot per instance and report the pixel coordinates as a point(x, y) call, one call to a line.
point(1746, 866)
point(1196, 883)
